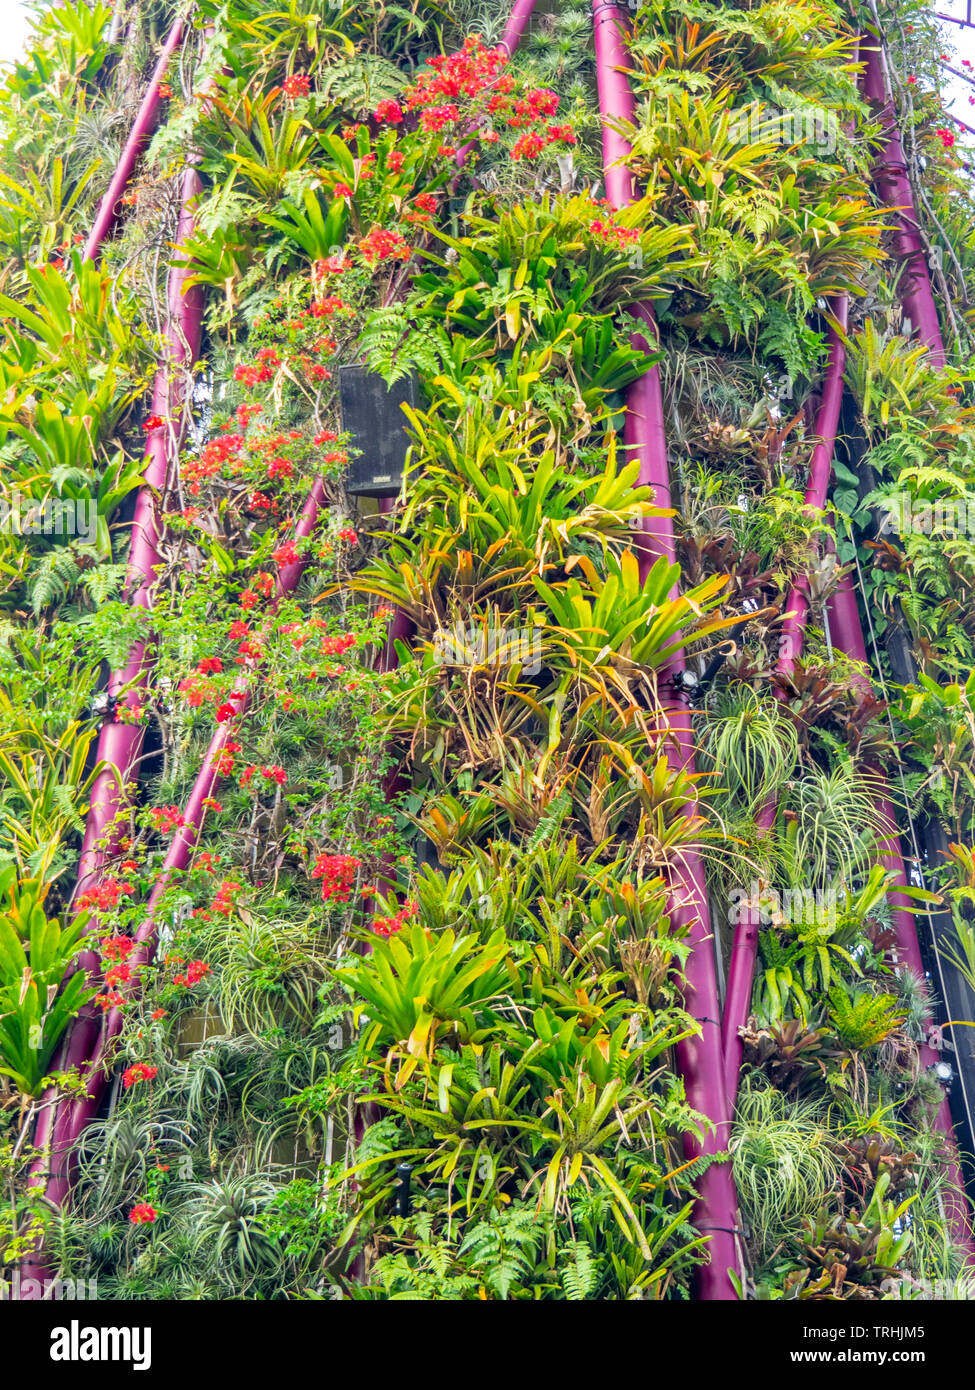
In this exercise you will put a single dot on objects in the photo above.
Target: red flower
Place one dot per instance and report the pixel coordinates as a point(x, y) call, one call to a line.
point(154, 422)
point(142, 1214)
point(347, 534)
point(139, 1071)
point(117, 947)
point(946, 137)
point(394, 161)
point(389, 111)
point(337, 872)
point(285, 555)
point(380, 245)
point(166, 819)
point(298, 85)
point(225, 713)
point(342, 190)
point(210, 664)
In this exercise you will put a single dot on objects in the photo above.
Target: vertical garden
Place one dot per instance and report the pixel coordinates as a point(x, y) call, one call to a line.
point(553, 878)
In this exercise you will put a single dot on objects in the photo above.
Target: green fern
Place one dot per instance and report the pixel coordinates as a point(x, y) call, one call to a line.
point(579, 1273)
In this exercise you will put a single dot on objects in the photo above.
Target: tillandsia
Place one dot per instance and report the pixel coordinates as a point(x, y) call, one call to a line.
point(349, 847)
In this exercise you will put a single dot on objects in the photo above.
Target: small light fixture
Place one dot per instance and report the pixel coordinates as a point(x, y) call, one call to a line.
point(403, 1171)
point(371, 414)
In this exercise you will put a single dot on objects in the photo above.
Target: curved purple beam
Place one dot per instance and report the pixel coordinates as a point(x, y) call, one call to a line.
point(846, 633)
point(71, 1115)
point(744, 950)
point(894, 188)
point(521, 13)
point(699, 1059)
point(107, 214)
point(846, 630)
point(119, 743)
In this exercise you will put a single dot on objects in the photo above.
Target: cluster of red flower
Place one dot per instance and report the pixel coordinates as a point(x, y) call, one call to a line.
point(474, 75)
point(270, 774)
point(297, 85)
point(381, 245)
point(389, 926)
point(139, 1071)
point(104, 896)
point(166, 819)
point(337, 872)
point(195, 971)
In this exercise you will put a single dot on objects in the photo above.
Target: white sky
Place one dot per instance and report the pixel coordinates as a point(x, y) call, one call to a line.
point(15, 23)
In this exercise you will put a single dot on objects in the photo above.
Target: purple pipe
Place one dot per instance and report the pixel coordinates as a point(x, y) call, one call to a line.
point(744, 950)
point(699, 1059)
point(846, 630)
point(141, 129)
point(521, 13)
point(119, 744)
point(71, 1115)
point(893, 187)
point(846, 634)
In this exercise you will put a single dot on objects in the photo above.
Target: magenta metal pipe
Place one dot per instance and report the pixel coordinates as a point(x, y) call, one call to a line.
point(699, 1059)
point(744, 950)
point(893, 187)
point(119, 743)
point(521, 13)
point(71, 1116)
point(107, 214)
point(846, 630)
point(846, 634)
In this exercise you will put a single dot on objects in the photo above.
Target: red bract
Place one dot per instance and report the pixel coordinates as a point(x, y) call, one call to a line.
point(297, 85)
point(117, 947)
point(285, 555)
point(139, 1071)
point(337, 872)
point(388, 926)
point(166, 819)
point(390, 111)
point(142, 1214)
point(105, 896)
point(381, 245)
